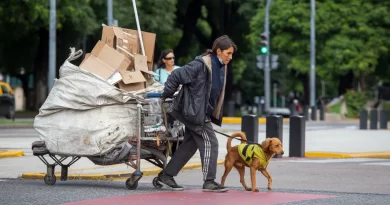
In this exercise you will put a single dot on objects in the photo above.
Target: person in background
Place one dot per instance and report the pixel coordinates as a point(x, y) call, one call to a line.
point(166, 64)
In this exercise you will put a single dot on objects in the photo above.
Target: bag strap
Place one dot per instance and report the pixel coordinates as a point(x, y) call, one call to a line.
point(159, 75)
point(74, 55)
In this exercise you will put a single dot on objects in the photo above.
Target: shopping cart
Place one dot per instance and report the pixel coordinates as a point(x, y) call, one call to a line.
point(156, 132)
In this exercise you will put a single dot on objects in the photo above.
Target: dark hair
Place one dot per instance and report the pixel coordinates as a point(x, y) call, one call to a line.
point(161, 63)
point(223, 43)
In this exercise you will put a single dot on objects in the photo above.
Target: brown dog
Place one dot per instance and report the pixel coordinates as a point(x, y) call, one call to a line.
point(258, 159)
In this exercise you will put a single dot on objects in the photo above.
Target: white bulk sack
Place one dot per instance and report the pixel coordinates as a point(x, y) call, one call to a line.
point(84, 115)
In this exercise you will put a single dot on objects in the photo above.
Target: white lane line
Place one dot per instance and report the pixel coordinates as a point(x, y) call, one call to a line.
point(367, 160)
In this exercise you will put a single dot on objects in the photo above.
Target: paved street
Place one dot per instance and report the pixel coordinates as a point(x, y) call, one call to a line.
point(18, 138)
point(295, 181)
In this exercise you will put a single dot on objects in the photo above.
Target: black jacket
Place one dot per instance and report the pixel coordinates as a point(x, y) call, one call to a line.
point(190, 105)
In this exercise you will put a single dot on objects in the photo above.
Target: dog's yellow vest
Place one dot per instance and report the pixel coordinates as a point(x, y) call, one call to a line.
point(248, 151)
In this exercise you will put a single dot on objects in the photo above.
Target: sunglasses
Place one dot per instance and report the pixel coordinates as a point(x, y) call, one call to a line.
point(170, 58)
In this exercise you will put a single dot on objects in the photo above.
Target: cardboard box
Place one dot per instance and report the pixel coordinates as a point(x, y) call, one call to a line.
point(123, 42)
point(104, 61)
point(132, 81)
point(149, 40)
point(140, 64)
point(113, 36)
point(96, 66)
point(110, 56)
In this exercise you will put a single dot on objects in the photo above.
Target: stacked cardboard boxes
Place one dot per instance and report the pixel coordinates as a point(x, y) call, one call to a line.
point(117, 58)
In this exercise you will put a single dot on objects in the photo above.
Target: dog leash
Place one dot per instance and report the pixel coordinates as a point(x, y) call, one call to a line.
point(249, 142)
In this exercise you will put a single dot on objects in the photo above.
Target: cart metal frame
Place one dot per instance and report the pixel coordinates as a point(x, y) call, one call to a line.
point(132, 181)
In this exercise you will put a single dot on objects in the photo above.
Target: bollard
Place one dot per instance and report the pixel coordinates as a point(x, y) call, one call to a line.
point(363, 119)
point(250, 125)
point(313, 113)
point(274, 128)
point(373, 119)
point(231, 109)
point(306, 112)
point(297, 136)
point(322, 113)
point(383, 118)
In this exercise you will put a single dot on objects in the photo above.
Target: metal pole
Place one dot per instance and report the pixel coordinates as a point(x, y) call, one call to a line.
point(138, 27)
point(109, 13)
point(267, 67)
point(275, 94)
point(312, 55)
point(52, 45)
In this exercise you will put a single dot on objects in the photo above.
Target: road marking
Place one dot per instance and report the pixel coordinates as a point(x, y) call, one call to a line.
point(377, 163)
point(194, 197)
point(323, 161)
point(360, 161)
point(351, 127)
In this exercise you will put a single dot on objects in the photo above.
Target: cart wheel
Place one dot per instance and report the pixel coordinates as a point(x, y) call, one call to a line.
point(131, 186)
point(49, 180)
point(156, 183)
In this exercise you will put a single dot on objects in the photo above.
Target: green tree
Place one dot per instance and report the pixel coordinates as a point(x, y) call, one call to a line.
point(24, 29)
point(350, 37)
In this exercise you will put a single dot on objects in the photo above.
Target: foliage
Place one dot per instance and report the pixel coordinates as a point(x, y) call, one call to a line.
point(355, 101)
point(350, 35)
point(21, 22)
point(386, 106)
point(335, 108)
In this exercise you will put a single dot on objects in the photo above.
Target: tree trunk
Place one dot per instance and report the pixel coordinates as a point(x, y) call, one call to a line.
point(24, 79)
point(304, 78)
point(41, 68)
point(363, 84)
point(345, 83)
point(189, 22)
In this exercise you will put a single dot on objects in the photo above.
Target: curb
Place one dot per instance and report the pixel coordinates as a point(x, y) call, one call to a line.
point(112, 175)
point(16, 126)
point(13, 153)
point(238, 120)
point(379, 155)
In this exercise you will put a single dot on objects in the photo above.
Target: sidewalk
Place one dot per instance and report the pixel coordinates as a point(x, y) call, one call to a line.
point(28, 122)
point(335, 143)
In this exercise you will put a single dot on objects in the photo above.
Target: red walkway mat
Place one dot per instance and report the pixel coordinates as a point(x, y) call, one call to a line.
point(197, 197)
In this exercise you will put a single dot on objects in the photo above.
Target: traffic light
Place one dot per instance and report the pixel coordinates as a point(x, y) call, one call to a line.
point(263, 44)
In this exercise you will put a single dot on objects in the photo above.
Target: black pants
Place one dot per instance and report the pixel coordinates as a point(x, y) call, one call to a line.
point(207, 144)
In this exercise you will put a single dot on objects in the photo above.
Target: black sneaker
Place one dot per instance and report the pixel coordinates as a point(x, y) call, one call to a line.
point(169, 181)
point(212, 186)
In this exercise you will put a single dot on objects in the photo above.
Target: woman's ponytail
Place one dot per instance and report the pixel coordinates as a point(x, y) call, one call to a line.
point(207, 52)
